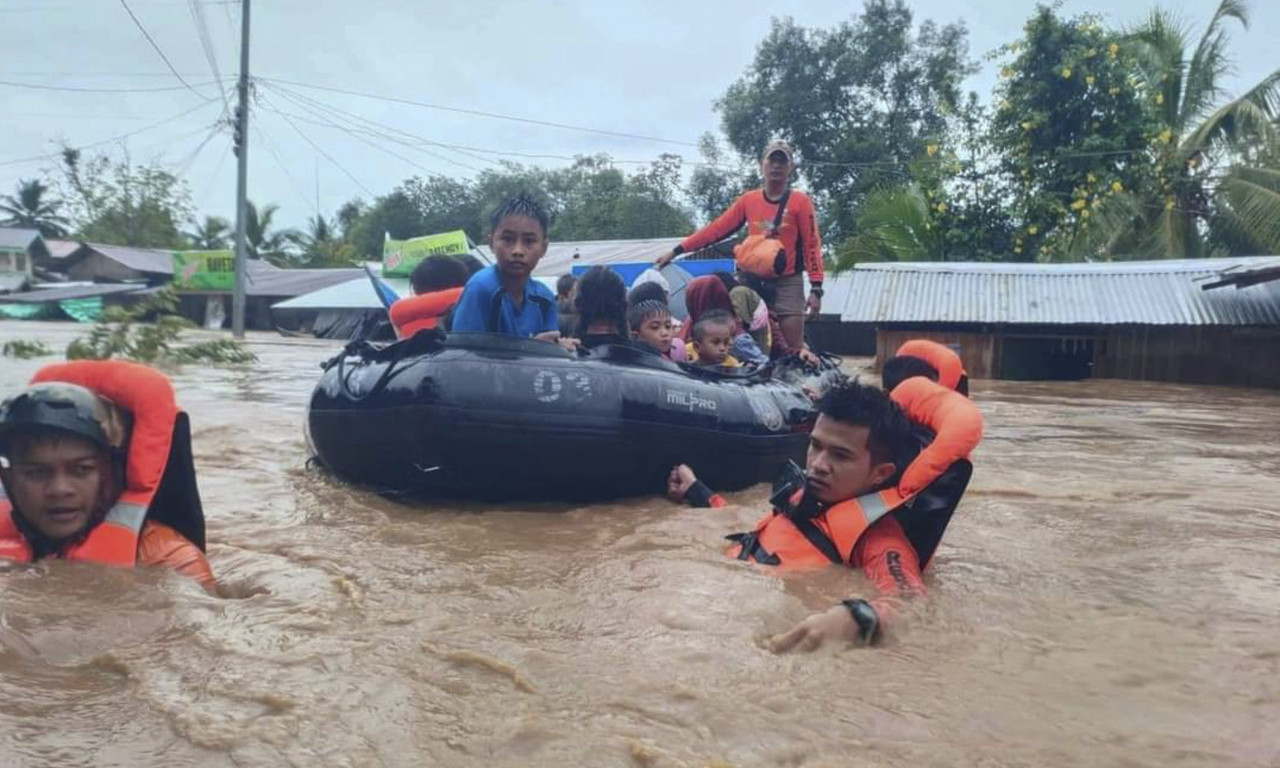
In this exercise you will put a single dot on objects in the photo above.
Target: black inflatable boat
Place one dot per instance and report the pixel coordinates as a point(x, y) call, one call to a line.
point(477, 415)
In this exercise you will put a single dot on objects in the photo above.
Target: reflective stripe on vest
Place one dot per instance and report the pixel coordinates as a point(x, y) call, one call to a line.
point(114, 541)
point(799, 541)
point(147, 394)
point(816, 542)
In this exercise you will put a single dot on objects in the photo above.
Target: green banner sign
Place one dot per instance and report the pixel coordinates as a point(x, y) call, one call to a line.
point(399, 257)
point(204, 270)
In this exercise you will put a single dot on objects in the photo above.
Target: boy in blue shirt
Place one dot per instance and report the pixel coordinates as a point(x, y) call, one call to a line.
point(504, 298)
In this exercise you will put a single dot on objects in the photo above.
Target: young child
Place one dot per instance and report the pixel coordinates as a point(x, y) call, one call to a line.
point(437, 285)
point(504, 298)
point(708, 293)
point(712, 336)
point(600, 301)
point(650, 323)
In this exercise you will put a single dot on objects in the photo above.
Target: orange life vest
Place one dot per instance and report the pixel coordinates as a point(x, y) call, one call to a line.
point(422, 312)
point(148, 395)
point(944, 360)
point(801, 540)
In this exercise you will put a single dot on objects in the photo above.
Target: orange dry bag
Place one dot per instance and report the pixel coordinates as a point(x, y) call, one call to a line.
point(763, 255)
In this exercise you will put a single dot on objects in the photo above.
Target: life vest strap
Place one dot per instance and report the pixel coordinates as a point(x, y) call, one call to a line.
point(750, 548)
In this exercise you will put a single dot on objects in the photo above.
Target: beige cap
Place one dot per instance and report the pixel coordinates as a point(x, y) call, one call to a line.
point(778, 145)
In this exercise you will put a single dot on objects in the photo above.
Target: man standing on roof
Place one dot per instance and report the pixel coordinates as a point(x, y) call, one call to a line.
point(782, 242)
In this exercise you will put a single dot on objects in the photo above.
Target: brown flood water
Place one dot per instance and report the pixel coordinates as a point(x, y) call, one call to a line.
point(1108, 594)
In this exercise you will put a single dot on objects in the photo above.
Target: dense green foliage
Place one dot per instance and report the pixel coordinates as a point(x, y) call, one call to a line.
point(1098, 143)
point(151, 332)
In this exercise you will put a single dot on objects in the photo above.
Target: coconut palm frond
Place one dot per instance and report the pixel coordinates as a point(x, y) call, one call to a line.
point(894, 225)
point(1109, 230)
point(1249, 200)
point(1248, 119)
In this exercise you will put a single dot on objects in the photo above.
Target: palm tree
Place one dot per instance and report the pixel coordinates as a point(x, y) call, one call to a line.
point(209, 235)
point(260, 240)
point(893, 224)
point(1210, 152)
point(321, 247)
point(30, 209)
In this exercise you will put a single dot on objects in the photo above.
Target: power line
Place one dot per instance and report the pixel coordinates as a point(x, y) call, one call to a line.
point(186, 163)
point(460, 148)
point(213, 180)
point(167, 63)
point(326, 155)
point(481, 113)
point(297, 187)
point(78, 89)
point(111, 140)
point(206, 42)
point(328, 122)
point(34, 8)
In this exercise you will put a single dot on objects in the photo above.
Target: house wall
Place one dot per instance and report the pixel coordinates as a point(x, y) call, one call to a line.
point(1243, 357)
point(841, 338)
point(1233, 356)
point(978, 350)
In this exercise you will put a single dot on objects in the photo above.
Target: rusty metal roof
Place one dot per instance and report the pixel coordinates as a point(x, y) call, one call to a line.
point(1118, 293)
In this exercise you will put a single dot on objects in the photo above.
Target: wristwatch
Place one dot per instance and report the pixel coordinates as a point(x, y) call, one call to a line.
point(816, 290)
point(866, 617)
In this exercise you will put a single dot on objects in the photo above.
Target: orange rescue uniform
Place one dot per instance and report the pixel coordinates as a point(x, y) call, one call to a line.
point(124, 537)
point(862, 532)
point(798, 232)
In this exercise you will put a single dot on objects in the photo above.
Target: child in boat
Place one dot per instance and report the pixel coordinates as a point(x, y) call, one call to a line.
point(564, 304)
point(712, 337)
point(600, 301)
point(505, 298)
point(708, 293)
point(650, 322)
point(437, 285)
point(654, 292)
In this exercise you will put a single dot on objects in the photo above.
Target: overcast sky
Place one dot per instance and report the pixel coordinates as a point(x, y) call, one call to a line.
point(648, 69)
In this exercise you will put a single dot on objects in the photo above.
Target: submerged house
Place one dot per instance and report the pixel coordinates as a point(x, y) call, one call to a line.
point(1170, 321)
point(19, 250)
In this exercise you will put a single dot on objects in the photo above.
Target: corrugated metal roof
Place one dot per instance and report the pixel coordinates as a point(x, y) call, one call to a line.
point(1242, 276)
point(1144, 293)
point(72, 292)
point(294, 282)
point(12, 281)
point(13, 237)
point(351, 294)
point(358, 294)
point(138, 259)
point(560, 257)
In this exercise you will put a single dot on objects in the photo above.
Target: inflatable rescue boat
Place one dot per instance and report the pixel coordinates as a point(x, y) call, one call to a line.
point(495, 417)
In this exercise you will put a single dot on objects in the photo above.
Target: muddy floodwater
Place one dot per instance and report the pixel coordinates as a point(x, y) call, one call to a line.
point(1107, 595)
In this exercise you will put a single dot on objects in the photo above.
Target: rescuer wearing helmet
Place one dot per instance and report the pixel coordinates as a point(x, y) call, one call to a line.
point(90, 453)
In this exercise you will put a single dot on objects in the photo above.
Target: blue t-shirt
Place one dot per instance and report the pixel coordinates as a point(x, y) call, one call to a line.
point(486, 307)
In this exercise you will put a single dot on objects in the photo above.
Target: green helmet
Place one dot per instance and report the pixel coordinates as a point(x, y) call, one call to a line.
point(68, 408)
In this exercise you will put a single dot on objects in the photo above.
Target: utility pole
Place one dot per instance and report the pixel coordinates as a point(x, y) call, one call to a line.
point(241, 148)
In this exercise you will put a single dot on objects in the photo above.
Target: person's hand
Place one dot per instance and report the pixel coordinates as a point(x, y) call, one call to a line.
point(814, 304)
point(551, 337)
point(664, 259)
point(680, 481)
point(808, 357)
point(809, 635)
point(569, 343)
